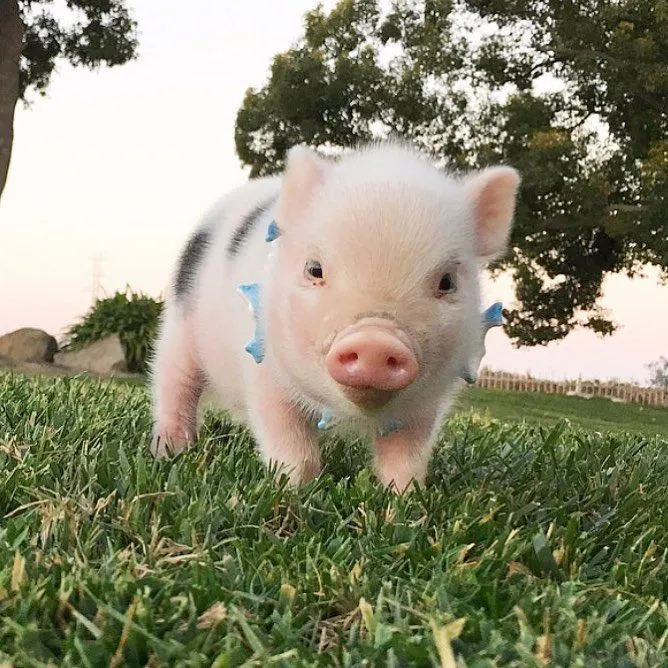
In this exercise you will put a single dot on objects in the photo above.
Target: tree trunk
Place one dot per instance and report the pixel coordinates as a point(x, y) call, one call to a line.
point(11, 42)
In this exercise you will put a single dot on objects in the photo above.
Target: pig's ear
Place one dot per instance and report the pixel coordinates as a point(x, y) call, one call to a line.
point(494, 193)
point(304, 175)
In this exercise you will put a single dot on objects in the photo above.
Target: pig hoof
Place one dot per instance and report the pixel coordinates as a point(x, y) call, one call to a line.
point(164, 446)
point(299, 474)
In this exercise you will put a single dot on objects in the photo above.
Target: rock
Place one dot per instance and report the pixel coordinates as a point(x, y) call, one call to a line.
point(28, 345)
point(105, 356)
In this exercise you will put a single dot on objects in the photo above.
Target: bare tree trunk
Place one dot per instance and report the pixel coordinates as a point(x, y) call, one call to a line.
point(11, 41)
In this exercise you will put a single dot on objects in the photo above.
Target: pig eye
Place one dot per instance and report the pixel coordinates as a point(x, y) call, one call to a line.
point(313, 269)
point(447, 284)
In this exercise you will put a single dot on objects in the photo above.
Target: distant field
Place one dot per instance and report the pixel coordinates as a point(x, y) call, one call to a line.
point(592, 414)
point(532, 544)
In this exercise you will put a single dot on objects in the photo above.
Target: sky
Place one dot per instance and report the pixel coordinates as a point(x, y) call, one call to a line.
point(119, 164)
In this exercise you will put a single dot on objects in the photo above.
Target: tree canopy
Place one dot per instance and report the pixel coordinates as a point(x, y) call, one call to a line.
point(573, 94)
point(659, 372)
point(34, 36)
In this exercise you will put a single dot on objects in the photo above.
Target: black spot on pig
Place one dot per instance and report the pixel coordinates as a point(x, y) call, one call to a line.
point(246, 226)
point(191, 259)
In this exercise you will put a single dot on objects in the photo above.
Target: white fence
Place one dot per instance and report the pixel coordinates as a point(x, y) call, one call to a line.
point(625, 392)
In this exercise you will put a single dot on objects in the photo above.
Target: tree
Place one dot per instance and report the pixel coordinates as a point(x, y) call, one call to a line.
point(574, 94)
point(33, 39)
point(659, 373)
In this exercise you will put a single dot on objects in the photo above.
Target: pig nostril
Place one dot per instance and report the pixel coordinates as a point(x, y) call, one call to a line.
point(347, 358)
point(371, 358)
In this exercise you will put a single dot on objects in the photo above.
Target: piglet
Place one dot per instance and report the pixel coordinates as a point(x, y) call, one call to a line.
point(343, 294)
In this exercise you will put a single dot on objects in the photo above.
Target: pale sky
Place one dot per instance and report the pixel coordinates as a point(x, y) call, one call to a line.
point(121, 163)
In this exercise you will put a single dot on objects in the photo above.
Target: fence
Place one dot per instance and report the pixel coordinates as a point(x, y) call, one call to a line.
point(624, 392)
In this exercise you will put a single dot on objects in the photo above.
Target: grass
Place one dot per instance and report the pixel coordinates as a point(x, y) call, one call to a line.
point(531, 545)
point(595, 414)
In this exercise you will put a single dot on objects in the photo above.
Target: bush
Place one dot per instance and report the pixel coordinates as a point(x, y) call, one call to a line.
point(659, 373)
point(133, 316)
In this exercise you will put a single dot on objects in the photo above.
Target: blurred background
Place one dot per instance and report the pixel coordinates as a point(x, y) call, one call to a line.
point(112, 166)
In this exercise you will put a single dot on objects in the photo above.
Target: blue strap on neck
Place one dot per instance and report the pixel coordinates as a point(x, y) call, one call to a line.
point(491, 317)
point(252, 293)
point(273, 232)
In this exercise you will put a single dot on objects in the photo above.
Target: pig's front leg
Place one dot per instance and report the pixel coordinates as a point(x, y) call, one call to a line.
point(178, 383)
point(283, 435)
point(401, 458)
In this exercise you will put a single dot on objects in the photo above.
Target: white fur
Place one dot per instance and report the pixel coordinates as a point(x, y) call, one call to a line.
point(385, 224)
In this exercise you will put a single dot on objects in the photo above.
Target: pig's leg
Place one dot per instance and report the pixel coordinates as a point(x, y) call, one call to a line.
point(401, 458)
point(178, 382)
point(283, 435)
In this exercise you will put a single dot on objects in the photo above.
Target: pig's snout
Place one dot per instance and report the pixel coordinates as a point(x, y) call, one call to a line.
point(371, 357)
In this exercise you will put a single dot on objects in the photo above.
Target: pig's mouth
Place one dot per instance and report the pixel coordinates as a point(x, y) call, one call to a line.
point(368, 398)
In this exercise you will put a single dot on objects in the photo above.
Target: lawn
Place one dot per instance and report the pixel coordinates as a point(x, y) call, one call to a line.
point(532, 544)
point(595, 414)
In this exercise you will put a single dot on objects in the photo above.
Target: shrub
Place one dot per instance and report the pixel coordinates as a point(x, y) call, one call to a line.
point(133, 316)
point(659, 373)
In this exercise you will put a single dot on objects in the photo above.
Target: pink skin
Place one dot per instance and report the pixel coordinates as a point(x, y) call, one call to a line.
point(371, 356)
point(401, 458)
point(328, 312)
point(286, 438)
point(178, 385)
point(368, 361)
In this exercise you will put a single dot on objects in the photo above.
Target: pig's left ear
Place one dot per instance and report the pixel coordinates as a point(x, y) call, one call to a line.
point(304, 175)
point(494, 192)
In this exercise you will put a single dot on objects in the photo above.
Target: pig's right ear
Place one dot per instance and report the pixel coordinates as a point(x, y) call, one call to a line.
point(494, 194)
point(304, 175)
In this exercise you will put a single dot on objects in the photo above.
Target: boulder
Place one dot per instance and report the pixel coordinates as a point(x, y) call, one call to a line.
point(28, 345)
point(105, 357)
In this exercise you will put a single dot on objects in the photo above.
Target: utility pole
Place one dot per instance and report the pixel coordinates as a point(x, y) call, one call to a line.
point(97, 276)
